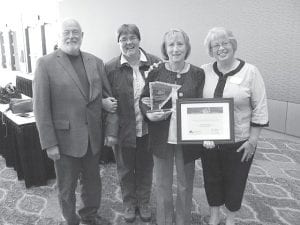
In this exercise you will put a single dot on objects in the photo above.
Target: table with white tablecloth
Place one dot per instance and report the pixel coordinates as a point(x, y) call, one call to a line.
point(20, 147)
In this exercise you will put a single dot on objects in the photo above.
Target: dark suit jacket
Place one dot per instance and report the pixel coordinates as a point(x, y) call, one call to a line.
point(65, 116)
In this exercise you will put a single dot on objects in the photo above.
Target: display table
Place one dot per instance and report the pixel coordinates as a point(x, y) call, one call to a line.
point(20, 146)
point(24, 84)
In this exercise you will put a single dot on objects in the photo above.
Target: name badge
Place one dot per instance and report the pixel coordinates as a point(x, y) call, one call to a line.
point(235, 80)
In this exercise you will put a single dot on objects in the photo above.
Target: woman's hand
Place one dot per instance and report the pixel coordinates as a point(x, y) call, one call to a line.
point(209, 144)
point(146, 101)
point(110, 104)
point(110, 141)
point(249, 150)
point(158, 115)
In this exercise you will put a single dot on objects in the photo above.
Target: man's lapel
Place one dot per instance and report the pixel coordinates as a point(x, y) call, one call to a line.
point(92, 75)
point(65, 62)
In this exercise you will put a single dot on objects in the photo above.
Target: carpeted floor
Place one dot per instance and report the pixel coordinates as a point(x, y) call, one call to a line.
point(272, 194)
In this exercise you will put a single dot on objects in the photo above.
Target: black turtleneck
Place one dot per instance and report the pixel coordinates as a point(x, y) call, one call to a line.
point(77, 63)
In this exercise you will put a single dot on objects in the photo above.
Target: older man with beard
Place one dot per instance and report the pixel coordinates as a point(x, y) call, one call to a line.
point(68, 89)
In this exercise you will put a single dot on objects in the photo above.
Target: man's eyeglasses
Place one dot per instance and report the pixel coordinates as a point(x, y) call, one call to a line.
point(126, 39)
point(224, 44)
point(73, 32)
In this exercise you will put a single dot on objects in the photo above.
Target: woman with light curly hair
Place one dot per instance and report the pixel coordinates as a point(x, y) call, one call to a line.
point(226, 166)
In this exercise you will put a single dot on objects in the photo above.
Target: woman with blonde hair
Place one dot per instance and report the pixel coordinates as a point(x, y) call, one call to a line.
point(226, 166)
point(162, 130)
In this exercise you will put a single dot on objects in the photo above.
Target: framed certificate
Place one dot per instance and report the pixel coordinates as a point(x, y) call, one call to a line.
point(209, 119)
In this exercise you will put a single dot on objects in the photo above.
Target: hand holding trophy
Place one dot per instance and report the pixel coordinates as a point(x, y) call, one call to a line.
point(160, 95)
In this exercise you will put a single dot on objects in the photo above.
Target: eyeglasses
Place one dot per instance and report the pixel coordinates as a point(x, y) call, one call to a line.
point(73, 32)
point(224, 44)
point(126, 39)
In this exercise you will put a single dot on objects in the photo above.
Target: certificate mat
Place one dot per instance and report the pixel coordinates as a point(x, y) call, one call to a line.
point(201, 120)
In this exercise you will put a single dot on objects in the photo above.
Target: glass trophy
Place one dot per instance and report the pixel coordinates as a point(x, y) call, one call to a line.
point(160, 94)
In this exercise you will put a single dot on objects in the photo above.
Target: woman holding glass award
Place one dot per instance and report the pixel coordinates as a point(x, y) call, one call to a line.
point(226, 166)
point(177, 79)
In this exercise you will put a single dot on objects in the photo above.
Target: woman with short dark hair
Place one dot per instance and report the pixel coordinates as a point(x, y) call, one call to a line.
point(126, 74)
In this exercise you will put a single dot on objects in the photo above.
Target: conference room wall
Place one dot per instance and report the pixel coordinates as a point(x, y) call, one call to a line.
point(267, 32)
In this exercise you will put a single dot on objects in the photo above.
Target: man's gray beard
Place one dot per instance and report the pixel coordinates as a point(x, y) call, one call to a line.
point(70, 50)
